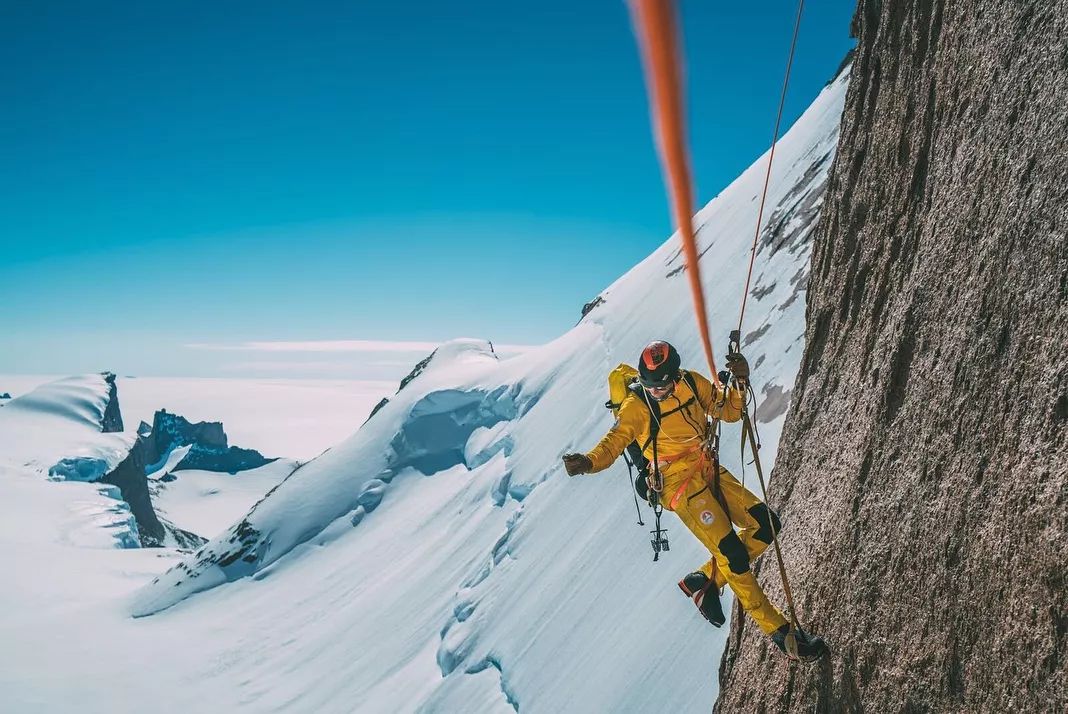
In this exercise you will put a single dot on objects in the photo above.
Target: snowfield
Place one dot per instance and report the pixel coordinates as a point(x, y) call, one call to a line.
point(207, 502)
point(57, 429)
point(292, 418)
point(438, 559)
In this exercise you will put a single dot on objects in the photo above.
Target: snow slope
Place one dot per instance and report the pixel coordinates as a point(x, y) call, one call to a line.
point(55, 432)
point(59, 421)
point(439, 560)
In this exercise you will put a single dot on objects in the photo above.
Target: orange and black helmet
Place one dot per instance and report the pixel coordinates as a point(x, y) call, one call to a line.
point(659, 365)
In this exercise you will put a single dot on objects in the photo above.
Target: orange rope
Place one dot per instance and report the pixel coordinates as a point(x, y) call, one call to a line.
point(655, 24)
point(771, 159)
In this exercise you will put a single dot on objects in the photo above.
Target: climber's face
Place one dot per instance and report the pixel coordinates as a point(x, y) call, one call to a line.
point(663, 392)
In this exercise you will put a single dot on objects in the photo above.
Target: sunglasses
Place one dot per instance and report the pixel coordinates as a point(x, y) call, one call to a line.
point(662, 391)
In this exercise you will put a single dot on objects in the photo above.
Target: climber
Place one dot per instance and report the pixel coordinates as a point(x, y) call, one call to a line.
point(672, 414)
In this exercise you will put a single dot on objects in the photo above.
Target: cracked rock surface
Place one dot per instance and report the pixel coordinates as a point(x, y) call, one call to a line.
point(922, 474)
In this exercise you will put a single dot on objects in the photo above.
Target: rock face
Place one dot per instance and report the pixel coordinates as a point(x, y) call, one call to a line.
point(588, 307)
point(923, 472)
point(112, 420)
point(418, 369)
point(210, 450)
point(129, 476)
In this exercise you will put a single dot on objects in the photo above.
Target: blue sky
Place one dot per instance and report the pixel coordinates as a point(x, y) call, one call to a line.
point(181, 174)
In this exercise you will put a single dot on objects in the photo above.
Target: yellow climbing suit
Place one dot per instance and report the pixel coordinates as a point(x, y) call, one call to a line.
point(686, 470)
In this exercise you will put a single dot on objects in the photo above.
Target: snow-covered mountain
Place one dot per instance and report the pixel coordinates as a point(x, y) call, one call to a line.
point(440, 559)
point(66, 431)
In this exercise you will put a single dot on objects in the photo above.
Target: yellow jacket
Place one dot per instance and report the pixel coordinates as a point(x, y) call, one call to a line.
point(681, 430)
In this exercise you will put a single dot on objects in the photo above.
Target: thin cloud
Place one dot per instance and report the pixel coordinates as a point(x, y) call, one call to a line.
point(318, 346)
point(274, 365)
point(347, 346)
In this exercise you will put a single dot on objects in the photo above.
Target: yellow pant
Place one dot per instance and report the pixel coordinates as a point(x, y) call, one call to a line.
point(732, 552)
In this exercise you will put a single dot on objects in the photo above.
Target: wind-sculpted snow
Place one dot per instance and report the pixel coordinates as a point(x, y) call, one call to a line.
point(435, 435)
point(64, 427)
point(64, 430)
point(77, 514)
point(79, 468)
point(430, 431)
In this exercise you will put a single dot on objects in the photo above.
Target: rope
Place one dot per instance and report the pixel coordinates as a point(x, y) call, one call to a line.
point(771, 159)
point(747, 426)
point(654, 22)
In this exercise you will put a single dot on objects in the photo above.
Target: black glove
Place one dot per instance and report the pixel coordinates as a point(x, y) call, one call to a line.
point(576, 464)
point(738, 367)
point(641, 486)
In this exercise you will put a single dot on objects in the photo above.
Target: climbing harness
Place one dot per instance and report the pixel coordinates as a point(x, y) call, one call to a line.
point(656, 486)
point(659, 540)
point(656, 29)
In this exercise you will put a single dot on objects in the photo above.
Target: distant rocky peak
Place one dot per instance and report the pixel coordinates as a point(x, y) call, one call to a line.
point(178, 428)
point(111, 422)
point(210, 449)
point(416, 370)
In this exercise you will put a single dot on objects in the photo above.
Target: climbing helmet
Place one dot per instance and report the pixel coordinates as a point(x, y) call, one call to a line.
point(658, 367)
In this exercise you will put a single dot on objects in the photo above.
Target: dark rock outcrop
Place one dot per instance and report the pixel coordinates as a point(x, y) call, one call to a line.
point(210, 450)
point(588, 307)
point(923, 471)
point(111, 423)
point(416, 371)
point(183, 539)
point(381, 403)
point(129, 476)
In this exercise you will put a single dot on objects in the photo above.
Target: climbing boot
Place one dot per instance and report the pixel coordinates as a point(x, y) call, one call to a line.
point(804, 647)
point(703, 592)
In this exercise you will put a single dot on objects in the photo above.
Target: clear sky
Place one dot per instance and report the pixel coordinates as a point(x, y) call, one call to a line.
point(182, 180)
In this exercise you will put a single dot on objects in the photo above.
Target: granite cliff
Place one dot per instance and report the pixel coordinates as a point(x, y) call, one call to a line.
point(922, 474)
